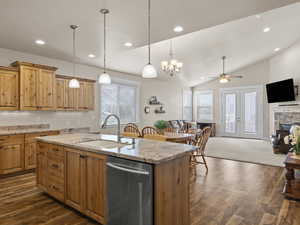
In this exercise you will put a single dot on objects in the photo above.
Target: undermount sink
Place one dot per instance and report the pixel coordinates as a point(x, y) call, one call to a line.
point(103, 144)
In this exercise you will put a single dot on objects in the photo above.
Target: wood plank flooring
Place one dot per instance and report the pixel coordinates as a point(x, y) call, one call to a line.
point(232, 193)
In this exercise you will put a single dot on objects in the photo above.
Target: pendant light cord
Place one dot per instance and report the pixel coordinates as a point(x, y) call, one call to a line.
point(171, 49)
point(149, 32)
point(74, 51)
point(223, 64)
point(104, 43)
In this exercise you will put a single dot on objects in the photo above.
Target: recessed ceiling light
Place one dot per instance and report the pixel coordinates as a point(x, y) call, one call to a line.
point(40, 42)
point(91, 56)
point(267, 29)
point(128, 44)
point(276, 49)
point(258, 16)
point(178, 29)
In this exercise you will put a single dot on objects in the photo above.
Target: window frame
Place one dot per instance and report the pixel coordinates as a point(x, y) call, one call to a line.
point(199, 92)
point(183, 105)
point(124, 82)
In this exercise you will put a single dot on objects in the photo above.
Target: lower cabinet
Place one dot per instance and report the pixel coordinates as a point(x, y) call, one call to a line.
point(11, 158)
point(74, 177)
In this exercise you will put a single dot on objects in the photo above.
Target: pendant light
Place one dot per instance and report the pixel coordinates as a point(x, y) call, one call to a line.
point(149, 70)
point(104, 78)
point(74, 83)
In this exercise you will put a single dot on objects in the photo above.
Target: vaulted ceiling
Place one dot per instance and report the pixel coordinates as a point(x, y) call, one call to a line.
point(211, 29)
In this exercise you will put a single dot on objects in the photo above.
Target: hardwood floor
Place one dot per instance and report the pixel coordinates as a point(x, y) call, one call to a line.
point(233, 193)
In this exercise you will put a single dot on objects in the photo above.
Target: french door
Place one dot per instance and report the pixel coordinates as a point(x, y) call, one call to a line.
point(241, 112)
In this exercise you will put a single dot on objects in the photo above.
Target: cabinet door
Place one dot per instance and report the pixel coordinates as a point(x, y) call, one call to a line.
point(11, 158)
point(74, 179)
point(60, 93)
point(71, 98)
point(30, 155)
point(9, 90)
point(90, 95)
point(95, 186)
point(46, 89)
point(82, 104)
point(28, 87)
point(42, 174)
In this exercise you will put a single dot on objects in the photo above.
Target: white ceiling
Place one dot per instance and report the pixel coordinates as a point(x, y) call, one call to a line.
point(199, 47)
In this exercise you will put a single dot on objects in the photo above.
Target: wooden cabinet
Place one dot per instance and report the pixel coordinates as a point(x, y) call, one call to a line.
point(74, 177)
point(60, 94)
point(11, 153)
point(9, 88)
point(74, 99)
point(37, 86)
point(31, 147)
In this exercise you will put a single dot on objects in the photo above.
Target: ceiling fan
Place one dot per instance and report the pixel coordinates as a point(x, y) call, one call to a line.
point(224, 77)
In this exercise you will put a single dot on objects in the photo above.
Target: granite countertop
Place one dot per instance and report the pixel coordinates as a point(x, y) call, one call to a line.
point(28, 130)
point(143, 150)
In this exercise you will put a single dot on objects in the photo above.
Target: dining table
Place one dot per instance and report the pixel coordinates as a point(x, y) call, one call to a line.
point(167, 136)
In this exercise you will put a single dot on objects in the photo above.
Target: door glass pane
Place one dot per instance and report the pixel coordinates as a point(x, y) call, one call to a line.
point(250, 112)
point(230, 113)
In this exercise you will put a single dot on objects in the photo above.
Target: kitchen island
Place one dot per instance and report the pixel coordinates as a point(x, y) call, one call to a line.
point(81, 170)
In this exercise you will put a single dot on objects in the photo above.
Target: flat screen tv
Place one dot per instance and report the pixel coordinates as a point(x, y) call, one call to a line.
point(281, 91)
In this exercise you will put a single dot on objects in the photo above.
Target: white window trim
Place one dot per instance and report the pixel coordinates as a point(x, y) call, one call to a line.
point(213, 106)
point(191, 90)
point(128, 83)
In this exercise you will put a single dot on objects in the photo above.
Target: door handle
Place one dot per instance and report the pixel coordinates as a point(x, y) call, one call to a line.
point(118, 167)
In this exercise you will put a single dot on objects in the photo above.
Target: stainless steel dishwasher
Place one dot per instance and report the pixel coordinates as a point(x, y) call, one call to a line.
point(130, 192)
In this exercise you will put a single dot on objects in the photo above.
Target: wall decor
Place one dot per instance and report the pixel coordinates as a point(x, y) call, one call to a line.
point(147, 109)
point(160, 110)
point(153, 101)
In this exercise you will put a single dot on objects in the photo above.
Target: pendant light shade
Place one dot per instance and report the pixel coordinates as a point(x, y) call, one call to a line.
point(104, 78)
point(149, 70)
point(74, 83)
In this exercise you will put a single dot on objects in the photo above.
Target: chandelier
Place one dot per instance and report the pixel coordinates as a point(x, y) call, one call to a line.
point(172, 66)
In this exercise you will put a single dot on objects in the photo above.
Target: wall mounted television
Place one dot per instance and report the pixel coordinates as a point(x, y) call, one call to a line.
point(281, 91)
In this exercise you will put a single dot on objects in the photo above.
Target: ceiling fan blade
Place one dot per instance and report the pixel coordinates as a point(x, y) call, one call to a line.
point(236, 76)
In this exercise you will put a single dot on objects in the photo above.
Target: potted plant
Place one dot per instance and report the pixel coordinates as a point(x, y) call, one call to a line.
point(294, 139)
point(160, 125)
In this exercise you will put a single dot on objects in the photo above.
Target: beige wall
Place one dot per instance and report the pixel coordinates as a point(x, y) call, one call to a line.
point(168, 92)
point(256, 74)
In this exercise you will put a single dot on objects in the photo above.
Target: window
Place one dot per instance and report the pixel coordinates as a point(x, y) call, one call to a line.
point(204, 106)
point(187, 105)
point(120, 99)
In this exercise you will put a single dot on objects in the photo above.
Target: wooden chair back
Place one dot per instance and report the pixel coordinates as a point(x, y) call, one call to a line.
point(203, 138)
point(149, 130)
point(132, 130)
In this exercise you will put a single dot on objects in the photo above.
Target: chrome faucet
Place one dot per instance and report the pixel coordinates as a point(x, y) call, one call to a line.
point(104, 124)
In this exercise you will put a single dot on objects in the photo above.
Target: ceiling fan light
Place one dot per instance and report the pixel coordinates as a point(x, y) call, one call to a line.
point(223, 80)
point(74, 83)
point(149, 71)
point(104, 78)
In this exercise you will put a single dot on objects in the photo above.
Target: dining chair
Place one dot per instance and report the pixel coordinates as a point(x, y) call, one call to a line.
point(149, 130)
point(200, 143)
point(131, 130)
point(152, 133)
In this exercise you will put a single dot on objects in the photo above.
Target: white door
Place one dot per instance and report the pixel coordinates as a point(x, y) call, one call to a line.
point(241, 110)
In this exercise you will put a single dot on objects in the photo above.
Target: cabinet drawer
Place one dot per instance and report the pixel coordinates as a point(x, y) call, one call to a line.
point(56, 153)
point(31, 137)
point(11, 139)
point(56, 168)
point(56, 188)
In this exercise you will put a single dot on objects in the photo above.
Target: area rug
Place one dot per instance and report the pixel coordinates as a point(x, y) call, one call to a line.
point(244, 150)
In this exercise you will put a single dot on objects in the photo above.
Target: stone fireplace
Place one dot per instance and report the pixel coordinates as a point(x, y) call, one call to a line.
point(285, 118)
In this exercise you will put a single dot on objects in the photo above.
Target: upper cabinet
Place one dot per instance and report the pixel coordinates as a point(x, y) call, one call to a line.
point(74, 99)
point(9, 88)
point(37, 86)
